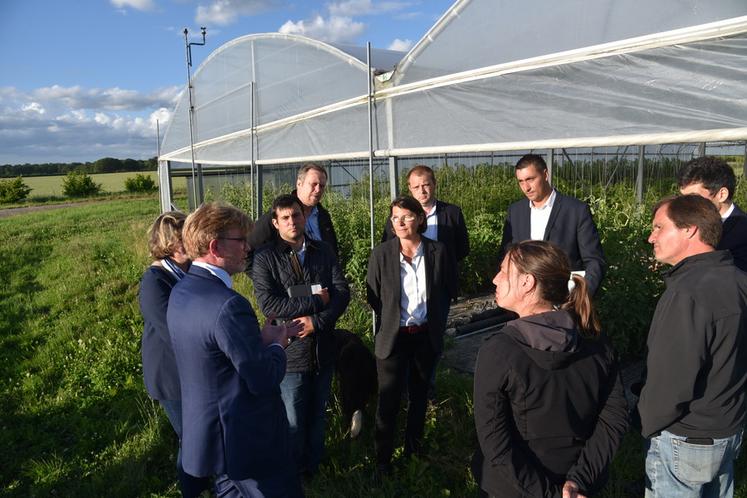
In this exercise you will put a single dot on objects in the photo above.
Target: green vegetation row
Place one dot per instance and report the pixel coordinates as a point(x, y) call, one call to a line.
point(103, 165)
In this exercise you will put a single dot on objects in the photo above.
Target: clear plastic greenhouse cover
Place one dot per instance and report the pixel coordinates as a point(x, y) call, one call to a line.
point(490, 75)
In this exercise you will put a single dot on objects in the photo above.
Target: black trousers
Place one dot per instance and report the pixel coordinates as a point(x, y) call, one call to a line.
point(411, 361)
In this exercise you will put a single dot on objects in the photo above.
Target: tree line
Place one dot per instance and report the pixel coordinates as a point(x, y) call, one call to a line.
point(104, 165)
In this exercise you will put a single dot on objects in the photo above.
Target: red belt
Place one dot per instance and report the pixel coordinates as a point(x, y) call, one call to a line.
point(414, 329)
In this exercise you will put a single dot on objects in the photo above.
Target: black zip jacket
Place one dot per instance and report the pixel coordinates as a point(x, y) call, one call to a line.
point(273, 275)
point(697, 351)
point(549, 406)
point(264, 232)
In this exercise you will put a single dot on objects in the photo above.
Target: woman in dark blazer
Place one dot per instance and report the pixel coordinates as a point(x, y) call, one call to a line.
point(159, 365)
point(409, 286)
point(549, 406)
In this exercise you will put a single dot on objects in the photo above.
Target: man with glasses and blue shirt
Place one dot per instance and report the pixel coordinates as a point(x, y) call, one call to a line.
point(233, 418)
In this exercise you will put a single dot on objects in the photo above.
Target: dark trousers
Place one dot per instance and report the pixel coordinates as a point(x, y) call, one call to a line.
point(190, 486)
point(411, 362)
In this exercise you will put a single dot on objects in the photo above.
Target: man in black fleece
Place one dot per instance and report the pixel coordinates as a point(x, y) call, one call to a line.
point(692, 405)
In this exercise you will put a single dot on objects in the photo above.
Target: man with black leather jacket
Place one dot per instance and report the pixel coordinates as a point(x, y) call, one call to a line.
point(298, 277)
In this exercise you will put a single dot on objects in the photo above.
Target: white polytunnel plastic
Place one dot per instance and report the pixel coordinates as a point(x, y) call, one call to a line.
point(490, 75)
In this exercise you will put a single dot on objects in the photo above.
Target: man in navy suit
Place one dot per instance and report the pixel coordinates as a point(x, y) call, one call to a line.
point(712, 178)
point(234, 424)
point(550, 215)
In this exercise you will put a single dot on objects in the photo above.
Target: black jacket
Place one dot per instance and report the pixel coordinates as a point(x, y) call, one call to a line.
point(264, 232)
point(384, 291)
point(734, 237)
point(549, 406)
point(570, 226)
point(273, 275)
point(452, 230)
point(697, 351)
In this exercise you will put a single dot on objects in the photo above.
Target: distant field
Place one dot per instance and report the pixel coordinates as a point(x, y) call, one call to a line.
point(45, 186)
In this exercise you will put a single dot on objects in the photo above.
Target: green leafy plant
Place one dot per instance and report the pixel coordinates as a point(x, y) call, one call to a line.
point(140, 183)
point(13, 190)
point(79, 184)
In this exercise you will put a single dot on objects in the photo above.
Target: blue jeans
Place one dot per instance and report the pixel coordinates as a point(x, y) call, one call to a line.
point(305, 395)
point(283, 485)
point(678, 469)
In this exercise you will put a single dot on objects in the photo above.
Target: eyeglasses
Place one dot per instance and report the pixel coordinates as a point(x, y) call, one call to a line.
point(407, 218)
point(240, 239)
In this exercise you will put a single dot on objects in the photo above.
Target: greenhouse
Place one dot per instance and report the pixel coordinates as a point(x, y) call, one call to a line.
point(490, 77)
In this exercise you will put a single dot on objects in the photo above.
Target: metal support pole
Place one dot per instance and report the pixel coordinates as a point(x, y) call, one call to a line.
point(550, 159)
point(252, 164)
point(393, 177)
point(744, 164)
point(701, 149)
point(639, 178)
point(370, 143)
point(198, 192)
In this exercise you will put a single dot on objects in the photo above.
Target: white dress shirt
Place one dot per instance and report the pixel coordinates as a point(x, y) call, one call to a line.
point(412, 307)
point(432, 224)
point(217, 271)
point(539, 216)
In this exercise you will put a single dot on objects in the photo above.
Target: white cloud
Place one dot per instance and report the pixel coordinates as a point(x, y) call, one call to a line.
point(134, 4)
point(222, 12)
point(351, 8)
point(333, 29)
point(401, 45)
point(66, 124)
point(34, 107)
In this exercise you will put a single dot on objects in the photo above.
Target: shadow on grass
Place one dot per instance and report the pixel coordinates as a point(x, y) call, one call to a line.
point(118, 446)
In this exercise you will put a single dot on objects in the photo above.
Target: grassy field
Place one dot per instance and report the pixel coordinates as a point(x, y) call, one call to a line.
point(76, 420)
point(51, 186)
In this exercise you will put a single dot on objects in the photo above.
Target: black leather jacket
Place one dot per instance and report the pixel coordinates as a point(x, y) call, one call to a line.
point(273, 275)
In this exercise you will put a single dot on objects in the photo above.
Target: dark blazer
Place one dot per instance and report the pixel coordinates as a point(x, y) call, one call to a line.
point(159, 365)
point(734, 237)
point(570, 226)
point(234, 419)
point(273, 275)
point(452, 230)
point(384, 292)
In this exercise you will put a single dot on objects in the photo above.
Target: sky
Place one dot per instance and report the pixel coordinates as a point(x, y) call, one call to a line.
point(86, 79)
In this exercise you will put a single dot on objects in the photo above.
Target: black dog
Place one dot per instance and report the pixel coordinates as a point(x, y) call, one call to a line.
point(356, 375)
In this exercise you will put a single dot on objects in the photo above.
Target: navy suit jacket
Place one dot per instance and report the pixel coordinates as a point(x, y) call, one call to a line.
point(734, 237)
point(159, 365)
point(452, 230)
point(234, 419)
point(570, 226)
point(384, 291)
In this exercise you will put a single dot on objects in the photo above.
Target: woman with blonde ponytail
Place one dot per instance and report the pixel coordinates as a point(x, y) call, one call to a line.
point(549, 406)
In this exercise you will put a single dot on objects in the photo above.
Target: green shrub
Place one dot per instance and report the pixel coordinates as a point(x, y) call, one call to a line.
point(13, 190)
point(79, 184)
point(140, 183)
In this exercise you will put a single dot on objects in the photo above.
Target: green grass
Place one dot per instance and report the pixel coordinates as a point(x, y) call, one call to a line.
point(76, 420)
point(51, 186)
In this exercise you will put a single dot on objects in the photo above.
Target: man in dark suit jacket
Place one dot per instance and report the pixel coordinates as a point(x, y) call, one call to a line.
point(234, 425)
point(552, 216)
point(297, 277)
point(445, 222)
point(713, 178)
point(311, 182)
